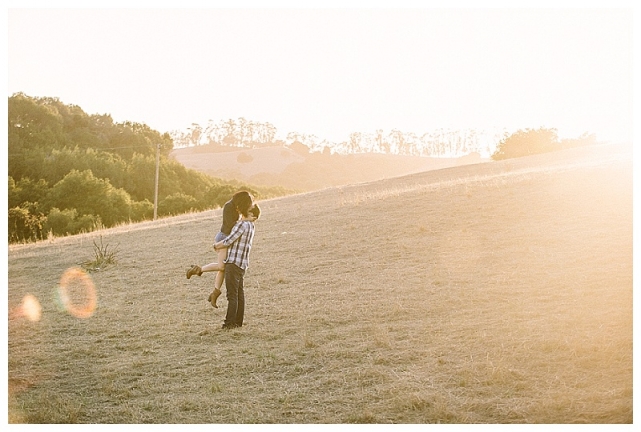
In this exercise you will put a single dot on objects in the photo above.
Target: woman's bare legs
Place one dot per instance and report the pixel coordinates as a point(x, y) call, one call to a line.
point(220, 276)
point(197, 270)
point(212, 267)
point(218, 267)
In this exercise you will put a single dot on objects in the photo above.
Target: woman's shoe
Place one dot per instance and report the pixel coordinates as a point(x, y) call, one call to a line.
point(214, 296)
point(194, 270)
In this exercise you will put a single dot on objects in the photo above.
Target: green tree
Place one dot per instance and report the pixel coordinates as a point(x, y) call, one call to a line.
point(176, 204)
point(60, 222)
point(26, 190)
point(91, 196)
point(67, 222)
point(33, 124)
point(141, 210)
point(141, 177)
point(218, 195)
point(25, 223)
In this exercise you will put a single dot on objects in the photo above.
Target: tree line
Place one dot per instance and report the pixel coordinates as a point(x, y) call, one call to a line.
point(71, 172)
point(233, 133)
point(251, 134)
point(243, 133)
point(498, 144)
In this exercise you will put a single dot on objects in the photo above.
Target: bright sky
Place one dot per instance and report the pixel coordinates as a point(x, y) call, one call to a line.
point(330, 72)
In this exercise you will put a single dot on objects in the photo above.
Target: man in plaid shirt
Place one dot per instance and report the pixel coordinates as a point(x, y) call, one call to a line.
point(239, 242)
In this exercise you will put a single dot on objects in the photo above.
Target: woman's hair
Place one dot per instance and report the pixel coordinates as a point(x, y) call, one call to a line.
point(243, 201)
point(255, 211)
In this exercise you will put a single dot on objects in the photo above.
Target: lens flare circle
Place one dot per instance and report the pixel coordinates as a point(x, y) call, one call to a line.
point(77, 293)
point(31, 308)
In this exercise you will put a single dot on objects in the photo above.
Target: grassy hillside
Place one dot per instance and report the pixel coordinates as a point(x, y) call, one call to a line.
point(280, 166)
point(491, 293)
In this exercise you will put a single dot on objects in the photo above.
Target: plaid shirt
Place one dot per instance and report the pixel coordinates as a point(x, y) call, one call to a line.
point(239, 242)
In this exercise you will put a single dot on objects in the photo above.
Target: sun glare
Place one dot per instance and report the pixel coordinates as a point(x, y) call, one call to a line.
point(31, 308)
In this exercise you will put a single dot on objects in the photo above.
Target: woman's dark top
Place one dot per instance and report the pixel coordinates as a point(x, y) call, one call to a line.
point(230, 217)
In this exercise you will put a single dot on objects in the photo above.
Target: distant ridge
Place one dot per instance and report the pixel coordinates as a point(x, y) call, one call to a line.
point(282, 166)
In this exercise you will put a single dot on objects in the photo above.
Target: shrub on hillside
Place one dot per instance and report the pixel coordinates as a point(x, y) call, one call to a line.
point(244, 158)
point(60, 222)
point(583, 140)
point(530, 141)
point(527, 142)
point(25, 222)
point(176, 204)
point(217, 196)
point(67, 222)
point(141, 210)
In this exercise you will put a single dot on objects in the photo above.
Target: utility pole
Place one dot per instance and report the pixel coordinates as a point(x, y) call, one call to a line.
point(156, 185)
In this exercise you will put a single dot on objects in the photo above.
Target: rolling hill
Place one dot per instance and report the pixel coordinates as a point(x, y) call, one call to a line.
point(497, 292)
point(282, 166)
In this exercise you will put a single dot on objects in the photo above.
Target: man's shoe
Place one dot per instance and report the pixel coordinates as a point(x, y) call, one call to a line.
point(194, 270)
point(214, 296)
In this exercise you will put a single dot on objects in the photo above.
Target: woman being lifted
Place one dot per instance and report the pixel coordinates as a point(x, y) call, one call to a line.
point(238, 205)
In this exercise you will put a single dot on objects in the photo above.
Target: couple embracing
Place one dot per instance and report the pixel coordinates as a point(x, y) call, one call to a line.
point(233, 244)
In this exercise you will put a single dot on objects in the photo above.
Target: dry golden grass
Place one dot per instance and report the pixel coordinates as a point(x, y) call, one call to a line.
point(490, 293)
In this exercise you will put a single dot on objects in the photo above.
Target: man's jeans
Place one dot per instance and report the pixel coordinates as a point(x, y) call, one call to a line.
point(235, 295)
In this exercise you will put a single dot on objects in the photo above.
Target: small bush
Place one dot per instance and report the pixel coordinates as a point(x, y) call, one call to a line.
point(103, 256)
point(177, 203)
point(244, 158)
point(527, 142)
point(141, 210)
point(67, 222)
